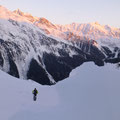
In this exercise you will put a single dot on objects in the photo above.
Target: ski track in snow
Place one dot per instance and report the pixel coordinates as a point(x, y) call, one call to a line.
point(90, 93)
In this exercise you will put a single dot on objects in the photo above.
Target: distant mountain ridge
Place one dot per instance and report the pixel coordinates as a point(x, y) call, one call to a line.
point(34, 48)
point(89, 30)
point(103, 34)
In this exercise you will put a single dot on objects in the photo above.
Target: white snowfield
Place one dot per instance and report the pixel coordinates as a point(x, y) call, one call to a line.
point(90, 93)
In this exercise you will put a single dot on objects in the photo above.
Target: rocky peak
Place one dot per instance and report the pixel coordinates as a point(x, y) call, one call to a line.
point(18, 11)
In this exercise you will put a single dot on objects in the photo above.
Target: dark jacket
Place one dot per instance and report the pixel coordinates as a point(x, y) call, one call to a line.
point(35, 92)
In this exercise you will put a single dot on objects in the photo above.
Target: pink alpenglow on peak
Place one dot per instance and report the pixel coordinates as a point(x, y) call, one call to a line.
point(102, 34)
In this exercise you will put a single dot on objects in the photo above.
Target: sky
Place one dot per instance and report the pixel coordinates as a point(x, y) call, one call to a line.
point(69, 11)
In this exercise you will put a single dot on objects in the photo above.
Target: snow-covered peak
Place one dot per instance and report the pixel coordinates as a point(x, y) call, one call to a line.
point(87, 28)
point(6, 14)
point(26, 16)
point(102, 34)
point(45, 22)
point(18, 11)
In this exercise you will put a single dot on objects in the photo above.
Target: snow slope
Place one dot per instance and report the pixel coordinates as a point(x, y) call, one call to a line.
point(91, 93)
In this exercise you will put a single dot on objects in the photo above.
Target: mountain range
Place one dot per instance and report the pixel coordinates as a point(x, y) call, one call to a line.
point(34, 48)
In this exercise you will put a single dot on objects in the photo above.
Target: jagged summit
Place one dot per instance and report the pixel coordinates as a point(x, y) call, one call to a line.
point(92, 30)
point(35, 20)
point(103, 34)
point(7, 14)
point(18, 11)
point(23, 14)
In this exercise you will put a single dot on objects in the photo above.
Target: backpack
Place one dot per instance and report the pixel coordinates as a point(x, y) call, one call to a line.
point(35, 92)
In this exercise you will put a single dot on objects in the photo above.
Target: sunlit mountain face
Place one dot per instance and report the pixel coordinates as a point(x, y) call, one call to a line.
point(89, 30)
point(34, 48)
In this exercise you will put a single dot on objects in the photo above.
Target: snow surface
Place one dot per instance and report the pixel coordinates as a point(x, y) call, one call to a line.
point(90, 93)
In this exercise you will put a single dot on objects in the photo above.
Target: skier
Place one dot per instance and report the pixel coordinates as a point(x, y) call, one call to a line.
point(35, 92)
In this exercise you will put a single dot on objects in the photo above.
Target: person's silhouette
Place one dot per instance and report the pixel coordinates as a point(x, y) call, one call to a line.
point(35, 92)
